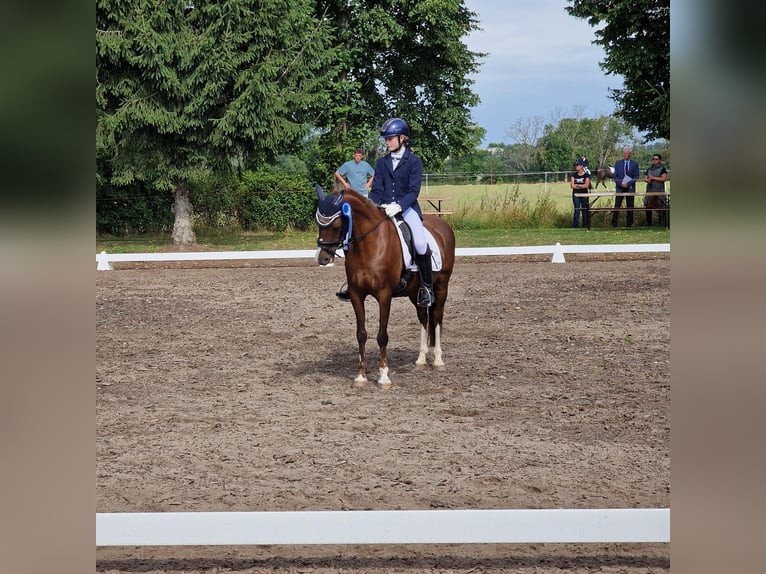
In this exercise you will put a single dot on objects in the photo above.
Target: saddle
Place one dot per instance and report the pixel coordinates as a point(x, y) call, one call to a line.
point(408, 252)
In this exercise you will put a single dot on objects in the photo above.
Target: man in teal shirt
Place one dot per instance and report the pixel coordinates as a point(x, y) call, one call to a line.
point(356, 174)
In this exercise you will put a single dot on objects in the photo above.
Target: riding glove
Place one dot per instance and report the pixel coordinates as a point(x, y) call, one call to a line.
point(392, 209)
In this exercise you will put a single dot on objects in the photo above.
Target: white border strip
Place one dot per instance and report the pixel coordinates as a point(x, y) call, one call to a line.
point(104, 259)
point(383, 527)
point(552, 249)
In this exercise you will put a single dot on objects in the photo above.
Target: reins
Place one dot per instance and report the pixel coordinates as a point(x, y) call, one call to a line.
point(366, 233)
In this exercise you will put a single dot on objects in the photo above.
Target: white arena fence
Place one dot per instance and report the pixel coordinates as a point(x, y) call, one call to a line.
point(383, 526)
point(644, 525)
point(104, 260)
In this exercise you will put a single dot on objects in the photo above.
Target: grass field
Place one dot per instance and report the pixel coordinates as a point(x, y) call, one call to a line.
point(503, 214)
point(460, 197)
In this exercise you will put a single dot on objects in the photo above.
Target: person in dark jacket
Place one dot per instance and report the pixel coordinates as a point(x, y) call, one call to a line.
point(626, 173)
point(396, 187)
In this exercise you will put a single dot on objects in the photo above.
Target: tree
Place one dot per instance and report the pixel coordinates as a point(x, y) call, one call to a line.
point(403, 59)
point(184, 87)
point(636, 38)
point(526, 134)
point(554, 151)
point(564, 141)
point(605, 135)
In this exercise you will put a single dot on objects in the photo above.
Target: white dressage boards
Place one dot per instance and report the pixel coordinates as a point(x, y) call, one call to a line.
point(104, 260)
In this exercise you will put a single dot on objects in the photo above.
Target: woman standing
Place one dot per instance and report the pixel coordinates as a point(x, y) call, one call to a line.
point(580, 183)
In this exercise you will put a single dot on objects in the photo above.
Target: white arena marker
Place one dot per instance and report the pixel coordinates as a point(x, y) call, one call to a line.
point(383, 527)
point(558, 254)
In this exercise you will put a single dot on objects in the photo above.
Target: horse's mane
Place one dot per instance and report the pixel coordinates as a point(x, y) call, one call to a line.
point(364, 199)
point(359, 195)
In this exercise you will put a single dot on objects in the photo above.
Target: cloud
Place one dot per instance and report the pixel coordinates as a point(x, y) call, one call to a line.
point(539, 60)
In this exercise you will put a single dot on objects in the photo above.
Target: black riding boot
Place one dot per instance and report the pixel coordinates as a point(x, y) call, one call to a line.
point(426, 292)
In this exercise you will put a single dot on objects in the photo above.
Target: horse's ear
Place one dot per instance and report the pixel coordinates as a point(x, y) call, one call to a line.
point(320, 192)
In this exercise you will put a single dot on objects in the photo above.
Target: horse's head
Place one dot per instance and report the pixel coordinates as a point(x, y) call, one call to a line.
point(330, 221)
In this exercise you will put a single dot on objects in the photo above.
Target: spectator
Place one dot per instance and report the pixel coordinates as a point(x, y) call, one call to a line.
point(626, 173)
point(580, 183)
point(655, 179)
point(356, 174)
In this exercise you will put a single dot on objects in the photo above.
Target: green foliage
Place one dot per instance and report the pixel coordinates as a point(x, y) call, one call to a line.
point(635, 35)
point(556, 153)
point(187, 90)
point(509, 209)
point(135, 208)
point(216, 199)
point(545, 214)
point(560, 144)
point(265, 200)
point(403, 59)
point(182, 88)
point(276, 202)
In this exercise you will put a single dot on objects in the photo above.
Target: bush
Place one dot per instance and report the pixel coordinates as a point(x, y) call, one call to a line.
point(123, 210)
point(215, 200)
point(275, 202)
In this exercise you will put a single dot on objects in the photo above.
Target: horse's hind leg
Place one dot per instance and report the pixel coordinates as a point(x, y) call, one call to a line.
point(423, 319)
point(438, 362)
point(430, 331)
point(435, 326)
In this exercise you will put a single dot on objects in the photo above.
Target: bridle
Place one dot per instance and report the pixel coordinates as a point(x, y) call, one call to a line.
point(324, 221)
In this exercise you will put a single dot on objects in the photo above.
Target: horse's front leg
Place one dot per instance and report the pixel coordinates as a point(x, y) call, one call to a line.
point(384, 305)
point(361, 339)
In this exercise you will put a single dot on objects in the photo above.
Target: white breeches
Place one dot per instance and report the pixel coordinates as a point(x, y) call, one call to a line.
point(418, 232)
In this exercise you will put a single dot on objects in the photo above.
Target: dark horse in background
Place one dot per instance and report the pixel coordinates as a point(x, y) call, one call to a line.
point(375, 266)
point(602, 174)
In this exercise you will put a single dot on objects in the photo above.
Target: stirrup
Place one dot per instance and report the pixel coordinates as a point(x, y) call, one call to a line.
point(425, 296)
point(343, 295)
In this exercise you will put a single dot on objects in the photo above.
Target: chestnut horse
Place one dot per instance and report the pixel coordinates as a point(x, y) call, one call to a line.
point(375, 266)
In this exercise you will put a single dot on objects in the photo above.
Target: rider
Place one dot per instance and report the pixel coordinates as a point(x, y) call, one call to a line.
point(395, 187)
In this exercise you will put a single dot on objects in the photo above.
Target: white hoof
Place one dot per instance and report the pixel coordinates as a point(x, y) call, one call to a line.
point(383, 377)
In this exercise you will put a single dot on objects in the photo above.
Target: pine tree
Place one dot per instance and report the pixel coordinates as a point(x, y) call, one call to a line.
point(188, 86)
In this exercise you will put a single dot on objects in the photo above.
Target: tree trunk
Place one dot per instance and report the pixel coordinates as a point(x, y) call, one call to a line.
point(183, 230)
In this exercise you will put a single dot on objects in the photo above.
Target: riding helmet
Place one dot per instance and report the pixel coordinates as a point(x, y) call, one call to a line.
point(394, 127)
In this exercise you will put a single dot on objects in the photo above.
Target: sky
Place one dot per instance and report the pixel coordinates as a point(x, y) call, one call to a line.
point(540, 60)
